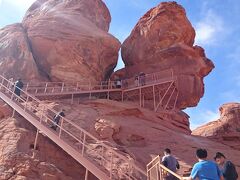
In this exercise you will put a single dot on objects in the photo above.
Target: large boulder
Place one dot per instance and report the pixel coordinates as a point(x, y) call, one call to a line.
point(163, 40)
point(70, 39)
point(16, 59)
point(226, 129)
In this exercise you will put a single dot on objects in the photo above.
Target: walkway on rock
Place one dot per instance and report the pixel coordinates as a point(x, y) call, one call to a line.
point(151, 90)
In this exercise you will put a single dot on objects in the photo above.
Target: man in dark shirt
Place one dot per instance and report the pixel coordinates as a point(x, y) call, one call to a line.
point(171, 163)
point(18, 87)
point(57, 118)
point(227, 167)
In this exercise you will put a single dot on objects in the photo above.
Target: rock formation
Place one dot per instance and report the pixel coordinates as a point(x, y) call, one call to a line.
point(226, 129)
point(68, 40)
point(163, 39)
point(61, 41)
point(18, 160)
point(16, 59)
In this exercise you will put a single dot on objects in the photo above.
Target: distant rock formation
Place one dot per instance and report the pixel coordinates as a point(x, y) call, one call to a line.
point(226, 129)
point(163, 39)
point(62, 41)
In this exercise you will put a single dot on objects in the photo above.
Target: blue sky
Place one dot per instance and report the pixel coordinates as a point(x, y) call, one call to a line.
point(217, 23)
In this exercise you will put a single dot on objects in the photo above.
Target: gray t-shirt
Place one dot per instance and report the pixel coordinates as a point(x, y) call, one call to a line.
point(170, 162)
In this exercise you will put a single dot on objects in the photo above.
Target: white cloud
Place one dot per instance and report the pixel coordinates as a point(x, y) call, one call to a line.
point(209, 29)
point(201, 117)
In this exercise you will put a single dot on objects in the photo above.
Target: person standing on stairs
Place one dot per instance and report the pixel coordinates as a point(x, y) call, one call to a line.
point(205, 169)
point(171, 163)
point(18, 85)
point(119, 84)
point(227, 167)
point(56, 119)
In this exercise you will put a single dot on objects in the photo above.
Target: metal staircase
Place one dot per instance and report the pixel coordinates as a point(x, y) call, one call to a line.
point(78, 143)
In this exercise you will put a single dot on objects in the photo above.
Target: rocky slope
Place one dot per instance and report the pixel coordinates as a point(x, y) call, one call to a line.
point(226, 129)
point(18, 160)
point(163, 39)
point(121, 126)
point(61, 41)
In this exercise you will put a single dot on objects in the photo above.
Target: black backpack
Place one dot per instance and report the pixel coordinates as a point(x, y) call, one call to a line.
point(230, 172)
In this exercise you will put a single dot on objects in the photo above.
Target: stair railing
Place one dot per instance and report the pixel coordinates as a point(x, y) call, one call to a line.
point(157, 171)
point(116, 164)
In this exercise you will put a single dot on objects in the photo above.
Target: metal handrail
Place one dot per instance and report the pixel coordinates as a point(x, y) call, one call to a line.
point(159, 167)
point(62, 87)
point(30, 103)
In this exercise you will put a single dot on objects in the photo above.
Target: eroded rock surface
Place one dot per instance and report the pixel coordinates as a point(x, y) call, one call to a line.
point(226, 129)
point(16, 59)
point(70, 39)
point(60, 41)
point(162, 40)
point(19, 161)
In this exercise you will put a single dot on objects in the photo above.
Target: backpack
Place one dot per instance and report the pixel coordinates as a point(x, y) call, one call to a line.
point(230, 172)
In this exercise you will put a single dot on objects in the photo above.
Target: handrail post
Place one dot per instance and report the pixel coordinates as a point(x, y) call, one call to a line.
point(41, 116)
point(2, 82)
point(62, 87)
point(77, 86)
point(72, 98)
point(161, 175)
point(89, 86)
point(27, 87)
point(111, 165)
point(36, 139)
point(13, 91)
point(102, 154)
point(61, 126)
point(109, 84)
point(83, 144)
point(86, 174)
point(45, 90)
point(122, 95)
point(25, 106)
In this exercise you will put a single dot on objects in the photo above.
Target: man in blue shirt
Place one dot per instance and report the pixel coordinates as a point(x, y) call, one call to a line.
point(204, 169)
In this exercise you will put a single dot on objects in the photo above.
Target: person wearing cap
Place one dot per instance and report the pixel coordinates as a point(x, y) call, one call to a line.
point(227, 167)
point(56, 118)
point(205, 169)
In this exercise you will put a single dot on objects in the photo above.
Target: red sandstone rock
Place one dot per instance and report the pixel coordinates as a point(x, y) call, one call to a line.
point(141, 134)
point(226, 129)
point(70, 39)
point(16, 59)
point(5, 110)
point(163, 39)
point(17, 160)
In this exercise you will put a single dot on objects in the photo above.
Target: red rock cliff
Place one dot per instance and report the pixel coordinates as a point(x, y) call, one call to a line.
point(163, 39)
